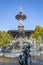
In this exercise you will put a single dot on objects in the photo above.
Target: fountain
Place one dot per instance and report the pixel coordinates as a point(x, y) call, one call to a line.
point(21, 40)
point(20, 17)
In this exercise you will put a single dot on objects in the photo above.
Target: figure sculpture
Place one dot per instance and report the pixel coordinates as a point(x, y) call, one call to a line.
point(26, 56)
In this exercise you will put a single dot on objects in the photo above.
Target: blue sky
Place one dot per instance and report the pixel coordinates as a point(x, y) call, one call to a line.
point(33, 9)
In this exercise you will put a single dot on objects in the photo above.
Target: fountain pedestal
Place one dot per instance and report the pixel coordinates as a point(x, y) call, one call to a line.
point(20, 17)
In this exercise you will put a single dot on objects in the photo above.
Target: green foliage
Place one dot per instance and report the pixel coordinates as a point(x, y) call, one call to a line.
point(4, 38)
point(38, 34)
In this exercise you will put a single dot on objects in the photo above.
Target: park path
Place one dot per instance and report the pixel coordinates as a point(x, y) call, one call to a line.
point(16, 63)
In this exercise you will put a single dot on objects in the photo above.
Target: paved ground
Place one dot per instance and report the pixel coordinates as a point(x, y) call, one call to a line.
point(16, 63)
point(3, 63)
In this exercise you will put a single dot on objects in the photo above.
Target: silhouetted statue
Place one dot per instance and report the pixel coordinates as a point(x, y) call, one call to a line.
point(26, 55)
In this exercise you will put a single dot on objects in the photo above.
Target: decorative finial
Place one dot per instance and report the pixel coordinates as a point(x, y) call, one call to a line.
point(20, 9)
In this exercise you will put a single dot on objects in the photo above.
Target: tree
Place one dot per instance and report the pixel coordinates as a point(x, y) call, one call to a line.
point(38, 34)
point(4, 38)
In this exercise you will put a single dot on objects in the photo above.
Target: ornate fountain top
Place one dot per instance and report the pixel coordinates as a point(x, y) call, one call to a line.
point(20, 16)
